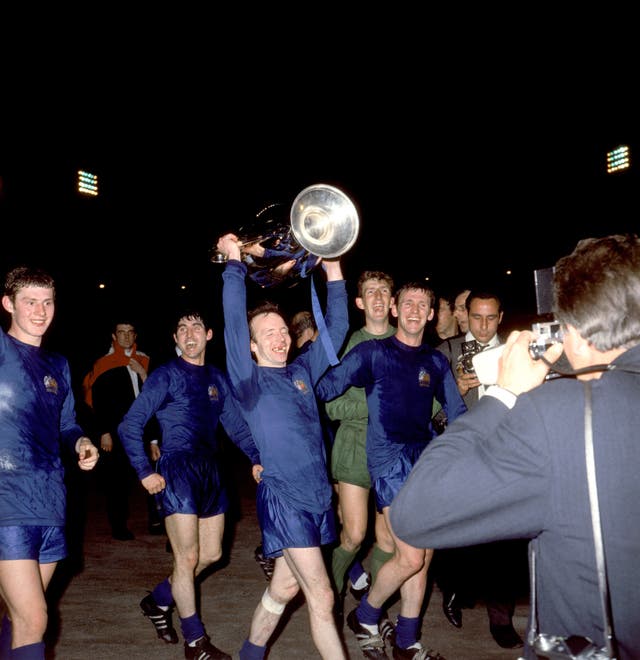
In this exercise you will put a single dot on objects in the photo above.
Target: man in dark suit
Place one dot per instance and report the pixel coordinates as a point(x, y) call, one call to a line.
point(491, 570)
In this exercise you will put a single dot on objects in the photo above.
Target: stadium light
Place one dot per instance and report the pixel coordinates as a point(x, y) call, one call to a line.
point(87, 183)
point(618, 159)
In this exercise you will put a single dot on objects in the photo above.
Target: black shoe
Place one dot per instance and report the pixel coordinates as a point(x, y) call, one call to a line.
point(506, 636)
point(415, 652)
point(156, 529)
point(122, 534)
point(451, 609)
point(161, 620)
point(359, 593)
point(371, 645)
point(203, 649)
point(267, 564)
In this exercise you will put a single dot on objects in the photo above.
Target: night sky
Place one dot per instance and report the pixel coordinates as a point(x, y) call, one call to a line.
point(459, 203)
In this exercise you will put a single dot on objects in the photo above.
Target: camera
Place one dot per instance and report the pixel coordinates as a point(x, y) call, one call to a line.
point(465, 361)
point(574, 646)
point(548, 332)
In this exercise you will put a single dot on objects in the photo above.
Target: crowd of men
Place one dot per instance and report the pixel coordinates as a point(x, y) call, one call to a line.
point(462, 475)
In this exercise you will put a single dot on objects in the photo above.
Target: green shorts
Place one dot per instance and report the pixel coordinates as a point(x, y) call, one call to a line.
point(349, 457)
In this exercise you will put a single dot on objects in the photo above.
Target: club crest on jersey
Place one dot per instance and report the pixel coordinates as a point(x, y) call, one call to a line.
point(214, 394)
point(51, 384)
point(424, 377)
point(301, 385)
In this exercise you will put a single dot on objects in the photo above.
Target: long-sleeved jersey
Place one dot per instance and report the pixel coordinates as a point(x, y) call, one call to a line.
point(189, 402)
point(401, 382)
point(37, 421)
point(279, 403)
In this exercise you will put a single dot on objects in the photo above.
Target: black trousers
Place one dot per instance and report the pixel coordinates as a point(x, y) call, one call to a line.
point(496, 573)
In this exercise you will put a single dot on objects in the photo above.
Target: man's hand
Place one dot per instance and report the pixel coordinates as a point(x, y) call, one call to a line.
point(518, 371)
point(229, 246)
point(257, 471)
point(106, 442)
point(154, 451)
point(466, 382)
point(333, 269)
point(138, 368)
point(154, 483)
point(87, 452)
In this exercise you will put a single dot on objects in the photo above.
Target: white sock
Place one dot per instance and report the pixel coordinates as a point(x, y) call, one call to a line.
point(373, 629)
point(361, 582)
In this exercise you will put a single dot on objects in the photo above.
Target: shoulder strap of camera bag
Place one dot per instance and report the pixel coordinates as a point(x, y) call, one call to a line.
point(597, 537)
point(605, 601)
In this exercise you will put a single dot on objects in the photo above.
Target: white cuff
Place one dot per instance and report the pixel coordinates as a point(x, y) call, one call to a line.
point(508, 398)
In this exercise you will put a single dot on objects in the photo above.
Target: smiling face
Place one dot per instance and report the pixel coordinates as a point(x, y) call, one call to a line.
point(270, 340)
point(375, 301)
point(413, 309)
point(191, 337)
point(32, 310)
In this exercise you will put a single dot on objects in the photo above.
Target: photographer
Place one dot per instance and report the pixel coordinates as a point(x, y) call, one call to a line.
point(514, 465)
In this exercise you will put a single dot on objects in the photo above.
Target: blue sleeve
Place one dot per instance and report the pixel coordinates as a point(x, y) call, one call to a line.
point(240, 364)
point(337, 321)
point(447, 393)
point(131, 429)
point(236, 427)
point(70, 430)
point(353, 370)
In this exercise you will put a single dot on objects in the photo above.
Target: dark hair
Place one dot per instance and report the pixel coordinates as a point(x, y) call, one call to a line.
point(23, 276)
point(123, 320)
point(191, 314)
point(449, 298)
point(416, 285)
point(597, 291)
point(482, 295)
point(374, 275)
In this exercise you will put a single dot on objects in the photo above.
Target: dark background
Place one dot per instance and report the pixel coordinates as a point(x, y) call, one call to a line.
point(458, 212)
point(472, 141)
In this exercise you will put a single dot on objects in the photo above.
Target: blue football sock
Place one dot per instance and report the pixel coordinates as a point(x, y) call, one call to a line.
point(162, 594)
point(368, 614)
point(250, 651)
point(5, 637)
point(356, 570)
point(407, 631)
point(192, 628)
point(28, 652)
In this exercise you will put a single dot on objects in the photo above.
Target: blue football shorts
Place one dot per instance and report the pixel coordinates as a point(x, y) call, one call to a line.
point(193, 485)
point(39, 542)
point(284, 526)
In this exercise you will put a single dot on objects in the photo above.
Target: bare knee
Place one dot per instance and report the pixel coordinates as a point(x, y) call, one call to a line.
point(351, 539)
point(321, 601)
point(185, 562)
point(208, 557)
point(283, 593)
point(411, 561)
